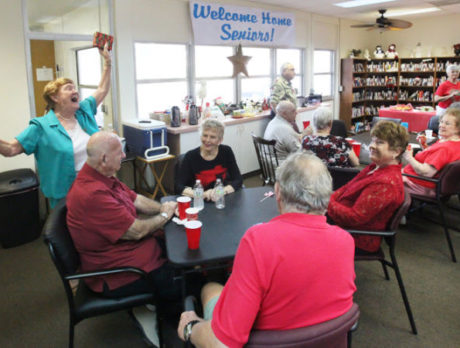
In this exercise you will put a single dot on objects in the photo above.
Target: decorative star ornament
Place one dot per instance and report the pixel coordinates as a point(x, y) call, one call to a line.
point(239, 62)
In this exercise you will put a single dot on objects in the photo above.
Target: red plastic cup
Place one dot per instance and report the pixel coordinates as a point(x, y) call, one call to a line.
point(191, 214)
point(193, 232)
point(305, 124)
point(182, 204)
point(350, 140)
point(356, 148)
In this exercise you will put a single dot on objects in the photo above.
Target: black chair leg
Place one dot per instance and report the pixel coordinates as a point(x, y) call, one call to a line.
point(385, 270)
point(71, 333)
point(403, 291)
point(446, 232)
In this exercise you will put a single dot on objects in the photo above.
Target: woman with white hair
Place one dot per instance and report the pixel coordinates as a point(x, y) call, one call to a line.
point(333, 151)
point(208, 162)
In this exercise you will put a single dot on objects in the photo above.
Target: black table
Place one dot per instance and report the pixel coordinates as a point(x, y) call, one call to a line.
point(222, 229)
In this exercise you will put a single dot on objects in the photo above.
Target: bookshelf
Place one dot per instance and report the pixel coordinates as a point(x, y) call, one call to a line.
point(368, 85)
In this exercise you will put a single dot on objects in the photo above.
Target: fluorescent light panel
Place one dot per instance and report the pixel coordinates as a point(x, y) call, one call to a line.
point(356, 3)
point(397, 13)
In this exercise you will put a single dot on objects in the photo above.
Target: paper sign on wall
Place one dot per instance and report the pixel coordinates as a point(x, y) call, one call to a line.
point(230, 25)
point(44, 74)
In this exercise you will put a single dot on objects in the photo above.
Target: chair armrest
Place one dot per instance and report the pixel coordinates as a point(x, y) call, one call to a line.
point(424, 178)
point(373, 233)
point(97, 273)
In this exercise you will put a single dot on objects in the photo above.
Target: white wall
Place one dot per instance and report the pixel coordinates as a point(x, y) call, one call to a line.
point(437, 34)
point(14, 101)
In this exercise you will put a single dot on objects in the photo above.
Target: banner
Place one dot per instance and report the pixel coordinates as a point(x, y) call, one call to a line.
point(230, 25)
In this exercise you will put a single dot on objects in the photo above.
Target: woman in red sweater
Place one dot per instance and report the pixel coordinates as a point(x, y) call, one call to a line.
point(369, 200)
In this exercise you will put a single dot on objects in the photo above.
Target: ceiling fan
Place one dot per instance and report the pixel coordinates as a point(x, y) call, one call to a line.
point(383, 23)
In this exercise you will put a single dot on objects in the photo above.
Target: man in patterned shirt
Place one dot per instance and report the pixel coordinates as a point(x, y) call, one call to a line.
point(282, 88)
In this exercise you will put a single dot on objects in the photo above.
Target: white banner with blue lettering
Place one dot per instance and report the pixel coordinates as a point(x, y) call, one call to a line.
point(229, 25)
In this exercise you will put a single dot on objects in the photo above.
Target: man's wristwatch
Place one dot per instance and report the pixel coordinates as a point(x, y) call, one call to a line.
point(164, 215)
point(188, 330)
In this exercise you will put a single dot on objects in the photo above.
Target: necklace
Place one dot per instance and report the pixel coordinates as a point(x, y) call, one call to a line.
point(65, 118)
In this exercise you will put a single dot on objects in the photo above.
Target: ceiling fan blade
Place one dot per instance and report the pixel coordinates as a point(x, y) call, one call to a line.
point(362, 25)
point(399, 24)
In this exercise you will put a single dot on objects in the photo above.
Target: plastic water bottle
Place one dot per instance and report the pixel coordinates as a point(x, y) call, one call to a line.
point(219, 194)
point(198, 195)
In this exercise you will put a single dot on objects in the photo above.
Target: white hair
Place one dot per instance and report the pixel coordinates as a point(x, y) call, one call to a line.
point(452, 67)
point(285, 106)
point(322, 118)
point(284, 67)
point(305, 183)
point(214, 125)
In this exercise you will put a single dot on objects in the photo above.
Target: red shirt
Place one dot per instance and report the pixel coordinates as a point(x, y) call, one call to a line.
point(438, 155)
point(368, 202)
point(100, 211)
point(293, 271)
point(444, 89)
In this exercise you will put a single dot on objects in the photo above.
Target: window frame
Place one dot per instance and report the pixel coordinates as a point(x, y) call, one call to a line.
point(332, 73)
point(188, 71)
point(191, 79)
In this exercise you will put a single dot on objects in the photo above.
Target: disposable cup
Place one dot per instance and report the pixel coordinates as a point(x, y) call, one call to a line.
point(356, 148)
point(183, 203)
point(193, 232)
point(191, 214)
point(429, 133)
point(350, 140)
point(405, 125)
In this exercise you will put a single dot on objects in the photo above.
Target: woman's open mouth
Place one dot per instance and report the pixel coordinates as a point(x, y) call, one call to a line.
point(74, 99)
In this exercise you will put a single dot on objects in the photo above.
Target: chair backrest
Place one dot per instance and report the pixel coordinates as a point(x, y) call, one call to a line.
point(340, 176)
point(177, 167)
point(400, 212)
point(339, 129)
point(376, 119)
point(60, 243)
point(267, 157)
point(332, 333)
point(449, 179)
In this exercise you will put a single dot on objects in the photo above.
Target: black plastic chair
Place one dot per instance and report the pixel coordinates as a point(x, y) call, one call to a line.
point(376, 119)
point(447, 185)
point(332, 333)
point(177, 168)
point(390, 238)
point(340, 176)
point(86, 303)
point(339, 129)
point(267, 157)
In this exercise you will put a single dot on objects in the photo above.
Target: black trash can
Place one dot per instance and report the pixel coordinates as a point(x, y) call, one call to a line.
point(19, 213)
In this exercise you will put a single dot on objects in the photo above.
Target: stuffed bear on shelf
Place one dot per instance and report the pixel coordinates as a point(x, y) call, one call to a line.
point(391, 52)
point(378, 52)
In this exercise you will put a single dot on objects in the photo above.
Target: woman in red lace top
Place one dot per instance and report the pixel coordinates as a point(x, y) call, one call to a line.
point(369, 200)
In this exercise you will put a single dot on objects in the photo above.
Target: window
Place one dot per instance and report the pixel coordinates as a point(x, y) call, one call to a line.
point(323, 72)
point(257, 85)
point(293, 56)
point(88, 76)
point(213, 74)
point(167, 73)
point(161, 77)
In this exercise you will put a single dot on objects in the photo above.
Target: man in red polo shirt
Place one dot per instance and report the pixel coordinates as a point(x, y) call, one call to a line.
point(102, 216)
point(293, 271)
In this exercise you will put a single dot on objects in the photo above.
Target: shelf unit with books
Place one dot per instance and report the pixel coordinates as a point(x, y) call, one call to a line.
point(368, 85)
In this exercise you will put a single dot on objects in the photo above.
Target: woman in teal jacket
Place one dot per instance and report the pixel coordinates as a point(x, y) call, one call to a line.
point(58, 139)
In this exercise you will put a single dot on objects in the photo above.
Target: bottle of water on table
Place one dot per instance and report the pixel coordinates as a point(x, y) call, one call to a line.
point(219, 194)
point(198, 195)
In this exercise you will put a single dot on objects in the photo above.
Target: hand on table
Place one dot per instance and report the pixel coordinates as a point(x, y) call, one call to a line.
point(208, 195)
point(168, 208)
point(185, 318)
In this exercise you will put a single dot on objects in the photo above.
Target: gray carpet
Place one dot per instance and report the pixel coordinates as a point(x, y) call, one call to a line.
point(33, 308)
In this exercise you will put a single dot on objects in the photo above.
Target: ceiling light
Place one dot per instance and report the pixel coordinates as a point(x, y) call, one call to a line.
point(356, 3)
point(411, 12)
